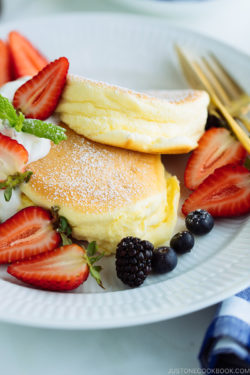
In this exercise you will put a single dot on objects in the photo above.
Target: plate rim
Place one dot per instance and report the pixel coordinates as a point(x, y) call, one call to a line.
point(142, 319)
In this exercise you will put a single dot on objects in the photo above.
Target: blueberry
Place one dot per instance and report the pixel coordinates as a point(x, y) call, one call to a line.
point(182, 242)
point(164, 260)
point(199, 222)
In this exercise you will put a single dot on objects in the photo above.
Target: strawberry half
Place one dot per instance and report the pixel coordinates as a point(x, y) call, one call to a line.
point(26, 59)
point(27, 233)
point(38, 97)
point(13, 157)
point(62, 269)
point(216, 148)
point(5, 72)
point(224, 193)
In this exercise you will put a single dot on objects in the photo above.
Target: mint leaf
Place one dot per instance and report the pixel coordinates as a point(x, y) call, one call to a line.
point(8, 112)
point(92, 248)
point(38, 128)
point(43, 129)
point(19, 122)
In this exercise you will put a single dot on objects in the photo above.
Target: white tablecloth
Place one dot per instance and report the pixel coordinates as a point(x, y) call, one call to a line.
point(169, 347)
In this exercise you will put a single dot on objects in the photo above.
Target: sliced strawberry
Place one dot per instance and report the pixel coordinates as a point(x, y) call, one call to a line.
point(26, 59)
point(13, 157)
point(217, 147)
point(62, 269)
point(38, 97)
point(224, 193)
point(27, 233)
point(5, 71)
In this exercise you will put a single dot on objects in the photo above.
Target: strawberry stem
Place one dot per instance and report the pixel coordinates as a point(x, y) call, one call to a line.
point(13, 181)
point(92, 249)
point(62, 226)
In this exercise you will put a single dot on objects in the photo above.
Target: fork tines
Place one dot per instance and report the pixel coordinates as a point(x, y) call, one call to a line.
point(225, 93)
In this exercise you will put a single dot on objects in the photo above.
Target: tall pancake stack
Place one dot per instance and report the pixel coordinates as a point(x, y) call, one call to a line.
point(106, 192)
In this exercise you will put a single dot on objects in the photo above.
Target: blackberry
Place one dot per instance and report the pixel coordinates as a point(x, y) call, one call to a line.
point(133, 260)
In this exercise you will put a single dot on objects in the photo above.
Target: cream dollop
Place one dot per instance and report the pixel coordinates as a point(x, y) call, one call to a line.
point(37, 148)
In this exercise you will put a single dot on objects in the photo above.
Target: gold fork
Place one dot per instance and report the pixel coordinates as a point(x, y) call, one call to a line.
point(228, 97)
point(237, 100)
point(229, 91)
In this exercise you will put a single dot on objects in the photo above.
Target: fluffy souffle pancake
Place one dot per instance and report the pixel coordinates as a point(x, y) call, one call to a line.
point(106, 193)
point(166, 122)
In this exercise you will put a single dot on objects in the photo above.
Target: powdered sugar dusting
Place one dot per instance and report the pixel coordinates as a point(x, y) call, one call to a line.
point(176, 96)
point(94, 178)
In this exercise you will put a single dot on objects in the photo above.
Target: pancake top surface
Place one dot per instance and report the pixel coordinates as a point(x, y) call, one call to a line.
point(170, 96)
point(94, 178)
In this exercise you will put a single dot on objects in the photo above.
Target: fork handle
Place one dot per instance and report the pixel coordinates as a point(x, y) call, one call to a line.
point(245, 121)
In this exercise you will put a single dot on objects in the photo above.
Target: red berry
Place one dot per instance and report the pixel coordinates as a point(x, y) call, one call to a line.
point(64, 268)
point(224, 193)
point(38, 97)
point(217, 147)
point(26, 59)
point(13, 157)
point(27, 233)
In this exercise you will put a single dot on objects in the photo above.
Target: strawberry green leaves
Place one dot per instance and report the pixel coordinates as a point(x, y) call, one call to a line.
point(14, 181)
point(91, 256)
point(61, 225)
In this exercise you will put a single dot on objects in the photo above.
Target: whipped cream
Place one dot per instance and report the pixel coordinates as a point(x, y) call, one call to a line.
point(37, 148)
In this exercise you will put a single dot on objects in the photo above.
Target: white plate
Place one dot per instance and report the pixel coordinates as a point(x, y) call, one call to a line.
point(138, 53)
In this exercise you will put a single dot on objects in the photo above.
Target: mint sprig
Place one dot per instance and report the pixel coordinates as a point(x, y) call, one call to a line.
point(43, 129)
point(12, 182)
point(8, 112)
point(38, 128)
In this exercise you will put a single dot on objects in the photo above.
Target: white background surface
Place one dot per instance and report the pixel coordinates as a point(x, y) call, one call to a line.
point(155, 348)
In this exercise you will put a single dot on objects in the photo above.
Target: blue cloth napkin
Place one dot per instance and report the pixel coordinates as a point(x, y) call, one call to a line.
point(227, 341)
